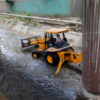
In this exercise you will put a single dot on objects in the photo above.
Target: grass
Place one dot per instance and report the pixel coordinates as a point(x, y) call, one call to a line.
point(60, 16)
point(56, 16)
point(1, 17)
point(80, 20)
point(28, 14)
point(5, 18)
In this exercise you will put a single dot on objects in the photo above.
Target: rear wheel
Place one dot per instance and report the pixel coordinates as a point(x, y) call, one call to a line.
point(52, 59)
point(36, 54)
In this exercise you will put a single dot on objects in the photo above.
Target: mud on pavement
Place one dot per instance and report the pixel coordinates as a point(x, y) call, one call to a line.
point(24, 78)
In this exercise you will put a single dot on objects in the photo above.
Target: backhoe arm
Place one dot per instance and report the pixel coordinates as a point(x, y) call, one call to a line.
point(76, 57)
point(72, 56)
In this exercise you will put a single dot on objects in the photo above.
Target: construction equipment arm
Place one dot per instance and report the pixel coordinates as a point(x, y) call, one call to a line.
point(73, 57)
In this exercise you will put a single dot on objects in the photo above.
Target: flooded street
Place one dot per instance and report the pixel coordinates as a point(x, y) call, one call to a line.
point(25, 78)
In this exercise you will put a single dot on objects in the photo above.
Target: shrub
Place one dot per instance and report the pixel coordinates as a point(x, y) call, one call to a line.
point(11, 2)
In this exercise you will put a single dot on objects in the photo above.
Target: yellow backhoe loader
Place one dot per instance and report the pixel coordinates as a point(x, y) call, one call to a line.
point(50, 50)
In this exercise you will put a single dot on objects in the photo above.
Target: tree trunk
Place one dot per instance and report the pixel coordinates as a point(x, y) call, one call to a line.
point(11, 6)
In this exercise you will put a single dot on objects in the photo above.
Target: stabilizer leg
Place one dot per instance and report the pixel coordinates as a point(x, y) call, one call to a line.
point(60, 64)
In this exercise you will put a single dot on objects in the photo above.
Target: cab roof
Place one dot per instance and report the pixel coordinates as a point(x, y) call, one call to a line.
point(56, 30)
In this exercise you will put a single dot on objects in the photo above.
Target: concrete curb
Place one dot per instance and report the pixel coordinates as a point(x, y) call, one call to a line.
point(46, 19)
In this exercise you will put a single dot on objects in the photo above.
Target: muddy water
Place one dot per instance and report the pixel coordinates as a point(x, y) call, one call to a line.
point(24, 78)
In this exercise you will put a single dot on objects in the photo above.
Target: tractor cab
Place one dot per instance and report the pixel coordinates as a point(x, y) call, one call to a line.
point(52, 35)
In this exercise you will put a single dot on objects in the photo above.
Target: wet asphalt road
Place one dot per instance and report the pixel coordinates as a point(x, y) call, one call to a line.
point(24, 78)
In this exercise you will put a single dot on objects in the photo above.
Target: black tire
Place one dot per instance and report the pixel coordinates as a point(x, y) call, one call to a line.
point(36, 53)
point(36, 46)
point(55, 58)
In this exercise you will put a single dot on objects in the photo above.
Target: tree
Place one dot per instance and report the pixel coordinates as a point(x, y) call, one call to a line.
point(11, 3)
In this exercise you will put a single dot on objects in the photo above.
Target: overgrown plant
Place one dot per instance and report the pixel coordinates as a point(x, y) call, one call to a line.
point(27, 20)
point(11, 3)
point(60, 16)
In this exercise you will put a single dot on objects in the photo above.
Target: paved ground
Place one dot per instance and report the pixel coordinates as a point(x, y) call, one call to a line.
point(2, 97)
point(24, 78)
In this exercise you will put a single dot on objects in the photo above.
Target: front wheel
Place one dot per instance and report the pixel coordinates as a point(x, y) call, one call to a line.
point(36, 54)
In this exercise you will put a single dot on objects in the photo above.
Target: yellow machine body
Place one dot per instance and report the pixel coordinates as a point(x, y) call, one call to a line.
point(68, 55)
point(72, 57)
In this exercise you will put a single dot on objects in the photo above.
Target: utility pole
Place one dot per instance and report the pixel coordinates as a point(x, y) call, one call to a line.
point(91, 48)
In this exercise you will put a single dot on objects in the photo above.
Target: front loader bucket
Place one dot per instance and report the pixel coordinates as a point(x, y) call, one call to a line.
point(26, 42)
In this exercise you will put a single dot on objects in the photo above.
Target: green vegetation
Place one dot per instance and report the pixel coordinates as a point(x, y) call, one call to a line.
point(1, 17)
point(4, 18)
point(28, 14)
point(10, 2)
point(56, 26)
point(25, 14)
point(26, 21)
point(80, 20)
point(60, 16)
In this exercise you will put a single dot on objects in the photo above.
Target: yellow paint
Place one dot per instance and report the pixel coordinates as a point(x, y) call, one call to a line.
point(50, 59)
point(34, 55)
point(73, 57)
point(56, 30)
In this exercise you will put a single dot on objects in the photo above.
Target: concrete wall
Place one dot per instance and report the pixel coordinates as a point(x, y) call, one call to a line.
point(43, 7)
point(3, 6)
point(49, 7)
point(76, 8)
